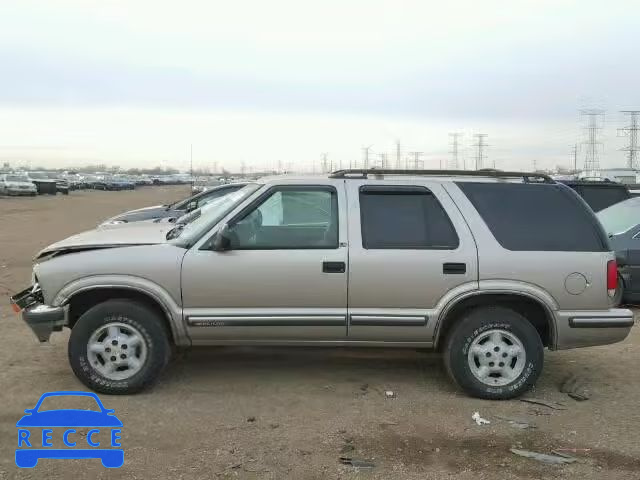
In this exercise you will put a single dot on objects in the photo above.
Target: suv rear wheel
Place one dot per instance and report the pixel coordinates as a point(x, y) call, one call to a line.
point(118, 347)
point(494, 353)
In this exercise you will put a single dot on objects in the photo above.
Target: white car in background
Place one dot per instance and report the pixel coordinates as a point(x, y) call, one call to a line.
point(16, 184)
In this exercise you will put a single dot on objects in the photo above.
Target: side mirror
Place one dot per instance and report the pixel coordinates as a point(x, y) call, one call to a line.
point(192, 206)
point(222, 240)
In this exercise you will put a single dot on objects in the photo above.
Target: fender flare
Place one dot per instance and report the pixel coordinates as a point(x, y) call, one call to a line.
point(155, 292)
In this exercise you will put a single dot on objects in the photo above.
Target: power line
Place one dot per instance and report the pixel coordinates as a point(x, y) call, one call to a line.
point(632, 132)
point(480, 146)
point(454, 163)
point(594, 119)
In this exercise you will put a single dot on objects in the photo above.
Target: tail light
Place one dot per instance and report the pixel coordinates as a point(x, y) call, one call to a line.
point(612, 277)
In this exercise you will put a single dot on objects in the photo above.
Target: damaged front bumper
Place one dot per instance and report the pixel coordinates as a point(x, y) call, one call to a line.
point(42, 319)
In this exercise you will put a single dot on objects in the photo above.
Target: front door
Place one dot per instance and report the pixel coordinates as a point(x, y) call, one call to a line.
point(409, 250)
point(284, 278)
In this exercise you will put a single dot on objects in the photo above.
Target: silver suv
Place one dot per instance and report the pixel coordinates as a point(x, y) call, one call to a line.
point(487, 267)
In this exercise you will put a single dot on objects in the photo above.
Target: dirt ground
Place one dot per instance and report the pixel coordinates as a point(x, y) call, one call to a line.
point(292, 413)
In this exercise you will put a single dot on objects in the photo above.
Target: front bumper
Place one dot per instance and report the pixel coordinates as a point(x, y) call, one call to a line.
point(42, 319)
point(589, 328)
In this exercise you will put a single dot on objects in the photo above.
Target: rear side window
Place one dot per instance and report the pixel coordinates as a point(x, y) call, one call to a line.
point(404, 218)
point(536, 217)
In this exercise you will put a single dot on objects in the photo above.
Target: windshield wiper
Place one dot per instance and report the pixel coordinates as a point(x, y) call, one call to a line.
point(174, 232)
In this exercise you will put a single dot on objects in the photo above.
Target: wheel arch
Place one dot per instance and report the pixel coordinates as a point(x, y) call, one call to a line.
point(536, 311)
point(84, 298)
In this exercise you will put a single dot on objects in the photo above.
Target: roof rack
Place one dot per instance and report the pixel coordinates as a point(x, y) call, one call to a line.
point(364, 173)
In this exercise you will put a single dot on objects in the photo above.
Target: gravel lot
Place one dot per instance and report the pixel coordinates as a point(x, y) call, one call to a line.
point(291, 413)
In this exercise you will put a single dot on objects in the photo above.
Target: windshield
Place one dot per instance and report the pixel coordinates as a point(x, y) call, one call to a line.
point(209, 215)
point(620, 217)
point(16, 178)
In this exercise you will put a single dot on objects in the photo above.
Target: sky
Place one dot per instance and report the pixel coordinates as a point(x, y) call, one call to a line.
point(277, 84)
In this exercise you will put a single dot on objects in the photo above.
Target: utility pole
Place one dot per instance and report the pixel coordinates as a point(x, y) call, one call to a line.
point(365, 159)
point(418, 164)
point(632, 132)
point(398, 155)
point(480, 146)
point(191, 165)
point(594, 120)
point(454, 163)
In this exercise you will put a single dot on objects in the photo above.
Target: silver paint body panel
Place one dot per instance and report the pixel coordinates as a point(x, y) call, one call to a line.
point(395, 298)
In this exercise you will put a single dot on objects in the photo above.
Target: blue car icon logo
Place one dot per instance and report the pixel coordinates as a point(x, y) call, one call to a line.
point(54, 433)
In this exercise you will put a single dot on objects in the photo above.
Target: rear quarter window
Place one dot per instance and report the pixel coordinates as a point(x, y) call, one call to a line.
point(536, 217)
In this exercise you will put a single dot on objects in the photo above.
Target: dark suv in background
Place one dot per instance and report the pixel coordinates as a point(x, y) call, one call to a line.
point(599, 194)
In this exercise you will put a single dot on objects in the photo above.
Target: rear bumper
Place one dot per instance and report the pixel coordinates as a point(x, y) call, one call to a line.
point(589, 328)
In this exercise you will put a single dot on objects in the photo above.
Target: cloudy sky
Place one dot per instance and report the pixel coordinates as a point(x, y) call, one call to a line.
point(135, 82)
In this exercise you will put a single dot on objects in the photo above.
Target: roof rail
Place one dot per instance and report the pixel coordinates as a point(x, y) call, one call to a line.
point(363, 173)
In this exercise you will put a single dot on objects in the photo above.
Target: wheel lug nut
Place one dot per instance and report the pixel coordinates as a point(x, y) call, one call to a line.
point(491, 364)
point(504, 354)
point(501, 364)
point(114, 342)
point(124, 346)
point(107, 349)
point(488, 354)
point(123, 356)
point(113, 359)
point(496, 349)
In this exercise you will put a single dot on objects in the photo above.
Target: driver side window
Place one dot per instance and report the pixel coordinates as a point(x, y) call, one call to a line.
point(290, 218)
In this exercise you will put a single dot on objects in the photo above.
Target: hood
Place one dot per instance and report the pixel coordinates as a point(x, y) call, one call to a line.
point(110, 236)
point(134, 212)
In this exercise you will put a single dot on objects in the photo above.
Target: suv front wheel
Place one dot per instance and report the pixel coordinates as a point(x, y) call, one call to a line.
point(494, 353)
point(118, 347)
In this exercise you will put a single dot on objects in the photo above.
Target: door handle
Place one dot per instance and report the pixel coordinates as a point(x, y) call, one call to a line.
point(454, 268)
point(334, 267)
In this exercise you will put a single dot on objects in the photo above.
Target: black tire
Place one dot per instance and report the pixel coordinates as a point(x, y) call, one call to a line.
point(473, 325)
point(139, 316)
point(619, 293)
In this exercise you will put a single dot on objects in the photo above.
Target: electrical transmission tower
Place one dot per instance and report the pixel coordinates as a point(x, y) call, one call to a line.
point(324, 163)
point(480, 146)
point(454, 163)
point(383, 160)
point(632, 132)
point(594, 120)
point(416, 162)
point(398, 155)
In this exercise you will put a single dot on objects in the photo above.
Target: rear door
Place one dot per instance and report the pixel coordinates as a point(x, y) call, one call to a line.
point(409, 249)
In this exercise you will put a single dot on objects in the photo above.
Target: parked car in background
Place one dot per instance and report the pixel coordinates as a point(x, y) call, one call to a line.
point(16, 184)
point(176, 209)
point(599, 194)
point(308, 261)
point(622, 223)
point(43, 183)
